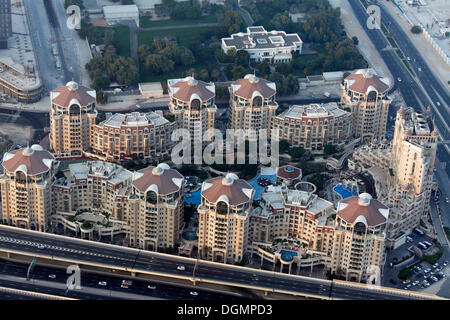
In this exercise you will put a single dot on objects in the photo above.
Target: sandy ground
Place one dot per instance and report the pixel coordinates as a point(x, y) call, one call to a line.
point(365, 46)
point(434, 60)
point(17, 133)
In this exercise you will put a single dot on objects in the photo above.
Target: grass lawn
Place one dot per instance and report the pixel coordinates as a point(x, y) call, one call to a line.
point(178, 72)
point(146, 23)
point(122, 40)
point(184, 36)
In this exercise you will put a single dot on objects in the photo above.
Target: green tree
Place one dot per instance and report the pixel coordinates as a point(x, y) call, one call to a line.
point(158, 64)
point(416, 29)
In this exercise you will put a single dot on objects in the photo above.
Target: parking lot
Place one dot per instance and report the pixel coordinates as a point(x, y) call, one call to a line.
point(420, 278)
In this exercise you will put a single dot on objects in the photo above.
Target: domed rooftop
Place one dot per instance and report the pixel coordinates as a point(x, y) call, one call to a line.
point(32, 160)
point(247, 87)
point(184, 89)
point(365, 80)
point(230, 189)
point(363, 209)
point(160, 179)
point(72, 93)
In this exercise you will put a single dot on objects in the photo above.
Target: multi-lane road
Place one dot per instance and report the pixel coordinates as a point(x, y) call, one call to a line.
point(419, 91)
point(108, 286)
point(89, 252)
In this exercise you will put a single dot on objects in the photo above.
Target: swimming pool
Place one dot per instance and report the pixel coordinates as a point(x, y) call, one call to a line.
point(259, 189)
point(196, 197)
point(346, 192)
point(189, 235)
point(293, 253)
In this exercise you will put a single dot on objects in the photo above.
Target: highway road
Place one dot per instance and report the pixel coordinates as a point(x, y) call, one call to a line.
point(88, 251)
point(411, 91)
point(92, 280)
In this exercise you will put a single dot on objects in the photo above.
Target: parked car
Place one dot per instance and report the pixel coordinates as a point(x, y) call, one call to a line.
point(445, 263)
point(415, 283)
point(406, 281)
point(435, 265)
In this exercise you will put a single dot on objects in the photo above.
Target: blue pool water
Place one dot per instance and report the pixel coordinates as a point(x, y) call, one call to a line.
point(189, 235)
point(259, 189)
point(346, 192)
point(195, 199)
point(287, 252)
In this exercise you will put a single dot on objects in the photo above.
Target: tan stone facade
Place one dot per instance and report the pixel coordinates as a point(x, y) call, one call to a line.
point(365, 94)
point(224, 219)
point(192, 103)
point(314, 126)
point(328, 234)
point(132, 136)
point(72, 119)
point(26, 188)
point(405, 174)
point(149, 202)
point(252, 104)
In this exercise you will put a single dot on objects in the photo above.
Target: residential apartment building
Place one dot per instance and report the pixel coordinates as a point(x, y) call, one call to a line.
point(359, 237)
point(365, 93)
point(224, 218)
point(148, 202)
point(72, 119)
point(156, 208)
point(270, 46)
point(132, 136)
point(192, 102)
point(348, 240)
point(26, 187)
point(5, 23)
point(314, 126)
point(403, 171)
point(252, 104)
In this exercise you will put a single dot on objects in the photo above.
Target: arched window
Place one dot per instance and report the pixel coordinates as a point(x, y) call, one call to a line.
point(222, 207)
point(372, 96)
point(195, 104)
point(360, 228)
point(257, 101)
point(21, 177)
point(152, 197)
point(74, 109)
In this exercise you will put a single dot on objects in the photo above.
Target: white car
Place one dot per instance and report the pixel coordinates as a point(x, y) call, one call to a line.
point(40, 246)
point(52, 276)
point(102, 283)
point(181, 268)
point(151, 286)
point(399, 79)
point(193, 293)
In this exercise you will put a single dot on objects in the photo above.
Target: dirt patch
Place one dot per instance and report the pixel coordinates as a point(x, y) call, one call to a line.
point(17, 133)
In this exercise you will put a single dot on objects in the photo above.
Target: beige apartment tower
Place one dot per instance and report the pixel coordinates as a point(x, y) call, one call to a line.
point(26, 188)
point(252, 104)
point(413, 156)
point(224, 218)
point(365, 93)
point(72, 119)
point(132, 136)
point(359, 237)
point(156, 208)
point(314, 126)
point(192, 102)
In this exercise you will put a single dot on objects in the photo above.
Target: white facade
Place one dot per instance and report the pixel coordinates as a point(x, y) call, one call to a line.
point(114, 14)
point(271, 46)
